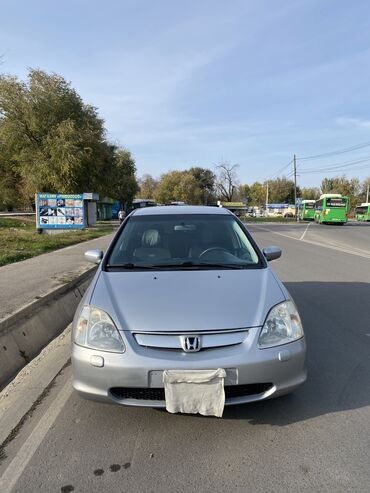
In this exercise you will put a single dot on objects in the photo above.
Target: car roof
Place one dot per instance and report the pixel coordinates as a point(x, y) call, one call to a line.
point(180, 209)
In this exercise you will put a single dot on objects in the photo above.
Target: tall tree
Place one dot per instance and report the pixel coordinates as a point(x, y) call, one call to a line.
point(341, 184)
point(310, 193)
point(281, 190)
point(227, 181)
point(124, 185)
point(244, 193)
point(148, 187)
point(258, 194)
point(206, 180)
point(50, 139)
point(178, 186)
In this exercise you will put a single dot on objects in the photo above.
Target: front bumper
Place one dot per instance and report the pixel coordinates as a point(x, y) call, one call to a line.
point(275, 371)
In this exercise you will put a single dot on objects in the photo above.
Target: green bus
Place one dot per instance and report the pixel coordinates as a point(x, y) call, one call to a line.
point(331, 208)
point(363, 212)
point(306, 210)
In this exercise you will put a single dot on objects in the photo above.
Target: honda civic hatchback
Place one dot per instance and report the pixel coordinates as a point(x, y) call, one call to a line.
point(184, 312)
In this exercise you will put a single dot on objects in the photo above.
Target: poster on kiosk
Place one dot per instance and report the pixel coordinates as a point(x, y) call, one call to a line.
point(60, 211)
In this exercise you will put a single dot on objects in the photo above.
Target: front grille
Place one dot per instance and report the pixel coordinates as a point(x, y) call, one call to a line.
point(157, 394)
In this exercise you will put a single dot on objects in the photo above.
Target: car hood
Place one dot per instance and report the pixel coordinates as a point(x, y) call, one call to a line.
point(176, 301)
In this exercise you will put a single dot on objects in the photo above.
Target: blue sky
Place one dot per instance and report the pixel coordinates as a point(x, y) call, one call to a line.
point(186, 82)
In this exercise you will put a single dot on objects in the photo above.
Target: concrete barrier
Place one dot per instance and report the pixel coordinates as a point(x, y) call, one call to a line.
point(25, 333)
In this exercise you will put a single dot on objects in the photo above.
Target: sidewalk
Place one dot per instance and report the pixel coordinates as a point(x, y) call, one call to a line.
point(24, 282)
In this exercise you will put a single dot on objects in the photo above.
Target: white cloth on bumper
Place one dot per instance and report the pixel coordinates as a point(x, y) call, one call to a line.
point(195, 391)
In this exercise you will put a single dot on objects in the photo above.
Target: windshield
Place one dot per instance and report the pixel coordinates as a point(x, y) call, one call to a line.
point(310, 205)
point(336, 202)
point(183, 241)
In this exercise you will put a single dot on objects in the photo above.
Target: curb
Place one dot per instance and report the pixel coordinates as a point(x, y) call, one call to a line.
point(25, 391)
point(27, 331)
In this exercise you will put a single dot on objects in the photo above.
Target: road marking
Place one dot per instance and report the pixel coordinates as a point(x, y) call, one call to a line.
point(315, 243)
point(276, 232)
point(13, 472)
point(305, 231)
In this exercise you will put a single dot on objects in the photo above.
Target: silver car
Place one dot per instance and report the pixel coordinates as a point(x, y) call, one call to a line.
point(185, 289)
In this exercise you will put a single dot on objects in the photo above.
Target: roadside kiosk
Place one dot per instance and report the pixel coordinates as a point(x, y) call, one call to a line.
point(56, 212)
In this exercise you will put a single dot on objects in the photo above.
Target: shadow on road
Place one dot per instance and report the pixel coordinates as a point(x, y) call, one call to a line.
point(337, 327)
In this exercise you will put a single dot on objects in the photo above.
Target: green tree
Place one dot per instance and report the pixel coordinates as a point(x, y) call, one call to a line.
point(206, 180)
point(281, 190)
point(9, 180)
point(50, 139)
point(257, 194)
point(341, 184)
point(310, 193)
point(178, 186)
point(244, 193)
point(148, 187)
point(124, 185)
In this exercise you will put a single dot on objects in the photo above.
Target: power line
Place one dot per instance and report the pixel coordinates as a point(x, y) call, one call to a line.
point(327, 168)
point(271, 177)
point(336, 166)
point(335, 170)
point(290, 174)
point(334, 153)
point(364, 158)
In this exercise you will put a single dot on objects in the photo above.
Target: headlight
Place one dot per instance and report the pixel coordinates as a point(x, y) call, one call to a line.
point(282, 325)
point(96, 330)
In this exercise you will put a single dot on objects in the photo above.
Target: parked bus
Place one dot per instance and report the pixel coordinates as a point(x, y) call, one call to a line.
point(306, 210)
point(363, 212)
point(331, 208)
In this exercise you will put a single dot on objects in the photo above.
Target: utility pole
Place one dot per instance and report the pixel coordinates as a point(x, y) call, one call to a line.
point(367, 193)
point(295, 186)
point(267, 198)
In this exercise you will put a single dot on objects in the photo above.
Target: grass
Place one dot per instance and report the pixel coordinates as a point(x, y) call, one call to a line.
point(19, 239)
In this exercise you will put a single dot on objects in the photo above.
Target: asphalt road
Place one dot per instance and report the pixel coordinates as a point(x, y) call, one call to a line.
point(316, 440)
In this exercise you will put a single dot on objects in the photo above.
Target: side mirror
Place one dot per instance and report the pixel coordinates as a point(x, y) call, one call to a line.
point(272, 253)
point(94, 256)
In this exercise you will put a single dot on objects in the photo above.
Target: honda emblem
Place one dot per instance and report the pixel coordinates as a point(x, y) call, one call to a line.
point(190, 344)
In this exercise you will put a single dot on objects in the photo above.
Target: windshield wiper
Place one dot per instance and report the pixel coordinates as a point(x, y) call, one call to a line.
point(189, 263)
point(131, 266)
point(213, 265)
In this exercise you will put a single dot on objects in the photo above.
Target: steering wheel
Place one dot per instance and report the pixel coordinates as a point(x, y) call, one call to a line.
point(213, 249)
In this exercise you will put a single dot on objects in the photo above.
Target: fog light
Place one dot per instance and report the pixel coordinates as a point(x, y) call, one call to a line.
point(96, 360)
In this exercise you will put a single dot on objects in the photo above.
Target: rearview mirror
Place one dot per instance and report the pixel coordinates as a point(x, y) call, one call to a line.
point(94, 256)
point(272, 253)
